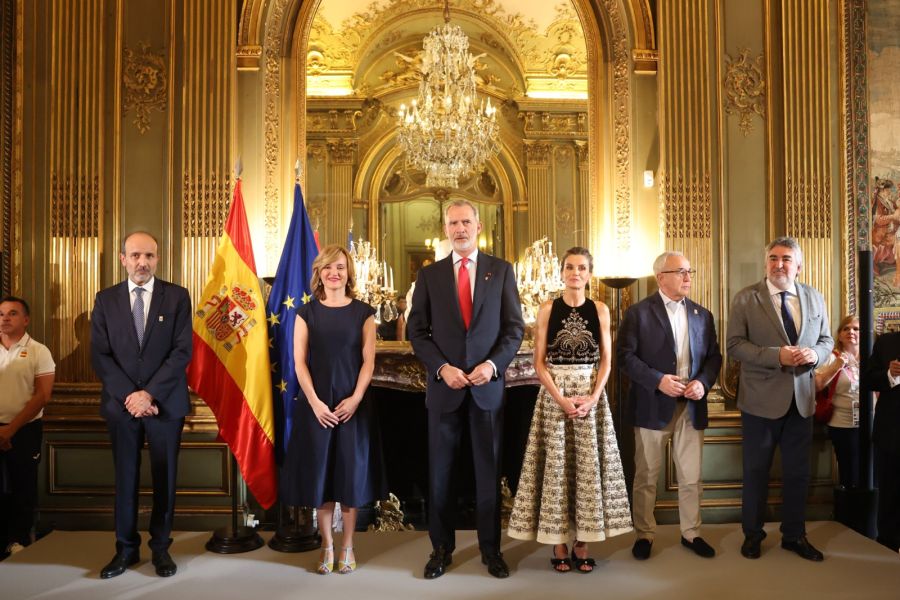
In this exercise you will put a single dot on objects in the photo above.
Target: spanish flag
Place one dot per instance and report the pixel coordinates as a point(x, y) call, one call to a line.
point(230, 369)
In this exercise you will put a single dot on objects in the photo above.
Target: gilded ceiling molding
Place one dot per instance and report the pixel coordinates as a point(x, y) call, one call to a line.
point(745, 88)
point(272, 91)
point(145, 80)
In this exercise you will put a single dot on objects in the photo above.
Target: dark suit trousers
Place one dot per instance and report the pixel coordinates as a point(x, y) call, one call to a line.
point(19, 483)
point(793, 434)
point(444, 434)
point(887, 468)
point(163, 438)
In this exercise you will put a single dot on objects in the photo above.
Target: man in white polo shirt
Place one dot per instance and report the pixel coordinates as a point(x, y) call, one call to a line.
point(27, 371)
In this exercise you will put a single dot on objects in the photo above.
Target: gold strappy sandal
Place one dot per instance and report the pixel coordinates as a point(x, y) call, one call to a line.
point(326, 561)
point(345, 565)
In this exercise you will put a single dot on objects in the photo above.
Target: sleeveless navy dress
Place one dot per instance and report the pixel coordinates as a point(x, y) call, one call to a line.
point(343, 463)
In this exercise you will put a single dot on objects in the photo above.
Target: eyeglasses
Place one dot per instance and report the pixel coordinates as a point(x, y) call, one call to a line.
point(682, 272)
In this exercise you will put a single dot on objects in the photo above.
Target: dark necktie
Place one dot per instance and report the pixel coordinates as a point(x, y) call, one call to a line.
point(464, 287)
point(137, 312)
point(789, 328)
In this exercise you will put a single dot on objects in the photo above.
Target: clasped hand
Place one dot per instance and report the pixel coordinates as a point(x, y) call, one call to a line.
point(672, 386)
point(140, 404)
point(795, 356)
point(342, 413)
point(577, 407)
point(458, 379)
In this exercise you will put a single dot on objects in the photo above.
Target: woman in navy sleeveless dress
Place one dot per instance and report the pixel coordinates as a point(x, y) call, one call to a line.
point(332, 453)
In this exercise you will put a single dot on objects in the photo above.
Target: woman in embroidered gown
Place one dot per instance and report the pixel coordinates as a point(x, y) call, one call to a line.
point(572, 484)
point(332, 455)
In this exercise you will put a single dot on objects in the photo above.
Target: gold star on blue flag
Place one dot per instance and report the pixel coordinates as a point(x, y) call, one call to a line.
point(291, 283)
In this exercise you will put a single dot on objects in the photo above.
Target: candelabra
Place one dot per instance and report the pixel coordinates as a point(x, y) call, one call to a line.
point(374, 281)
point(538, 277)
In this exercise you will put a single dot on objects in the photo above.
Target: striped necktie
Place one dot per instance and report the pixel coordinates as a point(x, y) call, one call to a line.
point(137, 312)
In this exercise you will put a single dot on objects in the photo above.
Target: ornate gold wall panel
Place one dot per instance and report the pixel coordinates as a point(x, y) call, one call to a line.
point(538, 176)
point(339, 195)
point(686, 138)
point(207, 134)
point(77, 126)
point(10, 94)
point(806, 104)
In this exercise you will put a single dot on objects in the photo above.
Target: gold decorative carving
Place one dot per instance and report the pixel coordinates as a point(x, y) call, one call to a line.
point(537, 154)
point(316, 152)
point(389, 516)
point(687, 202)
point(272, 90)
point(745, 88)
point(205, 205)
point(582, 151)
point(75, 208)
point(145, 81)
point(341, 151)
point(556, 125)
point(808, 203)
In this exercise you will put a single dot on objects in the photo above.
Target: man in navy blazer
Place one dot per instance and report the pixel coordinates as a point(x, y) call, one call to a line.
point(140, 347)
point(466, 327)
point(668, 348)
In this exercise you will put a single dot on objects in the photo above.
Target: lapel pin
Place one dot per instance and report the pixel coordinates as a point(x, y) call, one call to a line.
point(695, 312)
point(487, 276)
point(161, 318)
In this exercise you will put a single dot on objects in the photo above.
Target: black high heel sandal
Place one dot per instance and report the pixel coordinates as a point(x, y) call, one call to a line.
point(558, 563)
point(583, 562)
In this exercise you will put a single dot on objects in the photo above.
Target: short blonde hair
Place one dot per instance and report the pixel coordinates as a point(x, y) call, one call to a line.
point(326, 256)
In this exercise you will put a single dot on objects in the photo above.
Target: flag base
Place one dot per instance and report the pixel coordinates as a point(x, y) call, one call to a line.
point(295, 539)
point(227, 540)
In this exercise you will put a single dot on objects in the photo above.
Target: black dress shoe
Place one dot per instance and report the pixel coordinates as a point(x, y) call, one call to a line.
point(165, 566)
point(495, 564)
point(699, 546)
point(803, 549)
point(119, 564)
point(751, 546)
point(641, 549)
point(438, 562)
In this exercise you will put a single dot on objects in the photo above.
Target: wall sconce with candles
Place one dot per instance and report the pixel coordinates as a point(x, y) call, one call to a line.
point(537, 276)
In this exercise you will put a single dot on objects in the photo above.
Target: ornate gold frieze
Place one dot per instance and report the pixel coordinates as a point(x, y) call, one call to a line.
point(645, 60)
point(205, 205)
point(687, 204)
point(556, 125)
point(75, 206)
point(145, 83)
point(745, 88)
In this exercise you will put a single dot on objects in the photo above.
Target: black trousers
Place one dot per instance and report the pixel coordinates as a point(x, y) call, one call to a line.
point(845, 441)
point(163, 439)
point(444, 434)
point(887, 467)
point(19, 483)
point(793, 434)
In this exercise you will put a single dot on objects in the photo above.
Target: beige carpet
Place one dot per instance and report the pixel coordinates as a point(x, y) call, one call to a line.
point(66, 565)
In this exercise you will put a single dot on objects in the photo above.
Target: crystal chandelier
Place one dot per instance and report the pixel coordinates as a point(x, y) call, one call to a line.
point(374, 281)
point(446, 132)
point(538, 278)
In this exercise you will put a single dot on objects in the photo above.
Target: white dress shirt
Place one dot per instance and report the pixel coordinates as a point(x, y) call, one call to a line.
point(677, 313)
point(793, 303)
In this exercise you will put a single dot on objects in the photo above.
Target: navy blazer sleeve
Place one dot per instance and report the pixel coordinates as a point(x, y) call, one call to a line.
point(512, 325)
point(627, 345)
point(116, 381)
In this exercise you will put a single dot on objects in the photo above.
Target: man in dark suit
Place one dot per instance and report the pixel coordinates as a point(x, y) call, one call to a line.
point(140, 348)
point(883, 375)
point(668, 348)
point(466, 327)
point(778, 330)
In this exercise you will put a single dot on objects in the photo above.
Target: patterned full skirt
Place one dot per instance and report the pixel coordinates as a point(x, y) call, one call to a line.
point(572, 483)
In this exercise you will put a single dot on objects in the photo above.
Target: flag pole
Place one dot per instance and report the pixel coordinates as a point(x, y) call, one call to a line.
point(296, 530)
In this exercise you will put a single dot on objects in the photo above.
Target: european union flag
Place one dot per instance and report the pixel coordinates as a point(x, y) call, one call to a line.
point(290, 290)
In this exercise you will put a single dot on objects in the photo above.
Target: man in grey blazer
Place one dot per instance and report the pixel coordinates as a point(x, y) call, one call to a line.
point(778, 330)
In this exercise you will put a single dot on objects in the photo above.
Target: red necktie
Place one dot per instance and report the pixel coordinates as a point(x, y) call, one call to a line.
point(464, 287)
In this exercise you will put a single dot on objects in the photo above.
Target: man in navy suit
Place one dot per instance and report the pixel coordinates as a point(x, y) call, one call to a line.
point(667, 346)
point(466, 327)
point(140, 347)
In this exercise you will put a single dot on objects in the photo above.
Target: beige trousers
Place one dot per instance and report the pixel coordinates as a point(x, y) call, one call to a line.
point(649, 452)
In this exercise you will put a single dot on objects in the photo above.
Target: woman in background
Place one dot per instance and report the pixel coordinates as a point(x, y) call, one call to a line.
point(841, 376)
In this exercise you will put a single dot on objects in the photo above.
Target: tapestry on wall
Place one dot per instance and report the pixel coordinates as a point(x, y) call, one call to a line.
point(884, 139)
